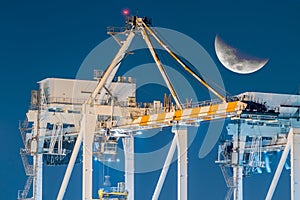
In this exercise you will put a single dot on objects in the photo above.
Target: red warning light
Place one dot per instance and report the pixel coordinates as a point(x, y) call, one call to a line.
point(125, 12)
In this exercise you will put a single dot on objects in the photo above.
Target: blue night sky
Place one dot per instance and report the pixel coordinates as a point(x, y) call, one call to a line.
point(40, 39)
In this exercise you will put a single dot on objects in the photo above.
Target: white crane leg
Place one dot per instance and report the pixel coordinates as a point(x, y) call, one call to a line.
point(295, 164)
point(280, 166)
point(182, 151)
point(128, 144)
point(238, 148)
point(165, 169)
point(87, 161)
point(69, 170)
point(38, 163)
point(238, 182)
point(38, 181)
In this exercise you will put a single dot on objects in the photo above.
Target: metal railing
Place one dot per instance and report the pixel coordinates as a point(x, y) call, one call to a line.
point(22, 194)
point(112, 29)
point(124, 79)
point(23, 126)
point(28, 168)
point(63, 100)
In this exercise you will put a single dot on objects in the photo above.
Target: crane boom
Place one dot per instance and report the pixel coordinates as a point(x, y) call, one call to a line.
point(185, 116)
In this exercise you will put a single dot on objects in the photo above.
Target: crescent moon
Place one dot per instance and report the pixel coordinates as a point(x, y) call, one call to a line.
point(235, 61)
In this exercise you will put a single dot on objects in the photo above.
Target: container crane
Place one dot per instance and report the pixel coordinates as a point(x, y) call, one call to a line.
point(267, 128)
point(88, 125)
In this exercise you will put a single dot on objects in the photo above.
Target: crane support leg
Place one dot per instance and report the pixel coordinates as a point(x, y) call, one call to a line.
point(280, 166)
point(87, 154)
point(165, 169)
point(70, 167)
point(38, 182)
point(128, 144)
point(238, 182)
point(182, 151)
point(38, 163)
point(295, 164)
point(237, 159)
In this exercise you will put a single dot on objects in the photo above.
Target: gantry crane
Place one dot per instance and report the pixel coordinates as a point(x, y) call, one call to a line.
point(266, 129)
point(181, 117)
point(130, 120)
